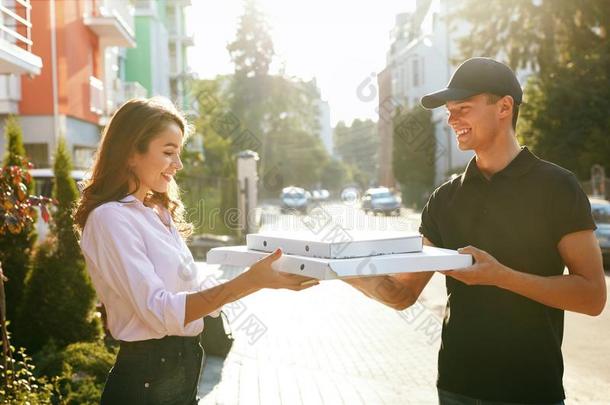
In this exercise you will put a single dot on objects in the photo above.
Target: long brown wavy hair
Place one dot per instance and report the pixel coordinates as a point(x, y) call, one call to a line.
point(131, 129)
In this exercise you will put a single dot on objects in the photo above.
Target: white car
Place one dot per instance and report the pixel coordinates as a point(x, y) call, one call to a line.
point(43, 179)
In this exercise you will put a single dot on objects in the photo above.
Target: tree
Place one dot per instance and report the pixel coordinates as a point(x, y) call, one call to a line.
point(414, 154)
point(272, 112)
point(357, 146)
point(252, 52)
point(565, 115)
point(335, 175)
point(59, 299)
point(211, 185)
point(16, 248)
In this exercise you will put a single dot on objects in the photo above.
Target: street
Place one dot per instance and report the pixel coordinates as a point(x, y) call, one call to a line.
point(331, 345)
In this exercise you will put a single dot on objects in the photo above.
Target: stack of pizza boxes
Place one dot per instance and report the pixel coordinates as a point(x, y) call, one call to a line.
point(361, 254)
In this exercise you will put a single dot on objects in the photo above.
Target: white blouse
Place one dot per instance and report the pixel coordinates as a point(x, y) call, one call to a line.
point(141, 269)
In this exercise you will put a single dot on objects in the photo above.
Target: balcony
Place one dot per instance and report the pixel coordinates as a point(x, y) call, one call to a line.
point(16, 39)
point(183, 38)
point(123, 91)
point(10, 94)
point(117, 94)
point(96, 95)
point(112, 21)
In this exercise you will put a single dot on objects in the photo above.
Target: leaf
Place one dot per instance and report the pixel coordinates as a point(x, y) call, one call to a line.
point(45, 213)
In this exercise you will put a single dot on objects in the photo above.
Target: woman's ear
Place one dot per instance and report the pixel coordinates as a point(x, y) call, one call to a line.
point(131, 161)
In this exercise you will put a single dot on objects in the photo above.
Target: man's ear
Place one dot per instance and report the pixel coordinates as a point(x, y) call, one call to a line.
point(505, 107)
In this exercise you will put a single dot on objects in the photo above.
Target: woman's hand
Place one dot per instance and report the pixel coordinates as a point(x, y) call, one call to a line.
point(262, 275)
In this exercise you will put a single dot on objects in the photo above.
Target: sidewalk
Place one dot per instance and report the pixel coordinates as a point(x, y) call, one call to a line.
point(326, 345)
point(332, 345)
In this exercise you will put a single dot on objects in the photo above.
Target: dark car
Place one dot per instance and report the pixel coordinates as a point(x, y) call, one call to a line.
point(294, 199)
point(601, 214)
point(382, 200)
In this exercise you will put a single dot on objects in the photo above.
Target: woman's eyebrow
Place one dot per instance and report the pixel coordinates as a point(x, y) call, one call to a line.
point(171, 144)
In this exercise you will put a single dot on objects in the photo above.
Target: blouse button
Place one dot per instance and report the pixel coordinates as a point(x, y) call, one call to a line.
point(179, 353)
point(146, 385)
point(162, 359)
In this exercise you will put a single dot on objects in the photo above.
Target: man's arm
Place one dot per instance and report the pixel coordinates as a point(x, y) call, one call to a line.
point(397, 291)
point(582, 290)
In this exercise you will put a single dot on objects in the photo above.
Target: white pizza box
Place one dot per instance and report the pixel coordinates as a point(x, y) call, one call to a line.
point(342, 244)
point(429, 259)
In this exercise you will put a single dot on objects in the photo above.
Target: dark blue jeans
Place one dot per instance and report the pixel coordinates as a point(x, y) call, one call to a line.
point(157, 371)
point(450, 398)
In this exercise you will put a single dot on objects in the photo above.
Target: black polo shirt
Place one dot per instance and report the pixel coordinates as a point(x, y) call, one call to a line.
point(498, 345)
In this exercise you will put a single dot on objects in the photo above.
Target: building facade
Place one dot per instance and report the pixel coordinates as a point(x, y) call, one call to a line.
point(421, 59)
point(79, 84)
point(159, 61)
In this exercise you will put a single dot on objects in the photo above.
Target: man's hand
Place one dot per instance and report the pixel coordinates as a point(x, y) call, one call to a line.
point(486, 270)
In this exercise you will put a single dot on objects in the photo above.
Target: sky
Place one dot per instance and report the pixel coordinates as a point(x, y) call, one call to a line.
point(340, 43)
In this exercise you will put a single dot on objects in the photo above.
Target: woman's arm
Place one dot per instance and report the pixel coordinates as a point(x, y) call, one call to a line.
point(261, 275)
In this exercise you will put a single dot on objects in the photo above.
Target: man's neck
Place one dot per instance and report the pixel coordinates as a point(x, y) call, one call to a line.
point(498, 155)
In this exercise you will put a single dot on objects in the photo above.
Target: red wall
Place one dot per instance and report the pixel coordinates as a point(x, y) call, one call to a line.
point(78, 57)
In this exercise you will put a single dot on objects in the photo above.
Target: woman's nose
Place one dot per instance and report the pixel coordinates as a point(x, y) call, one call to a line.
point(178, 163)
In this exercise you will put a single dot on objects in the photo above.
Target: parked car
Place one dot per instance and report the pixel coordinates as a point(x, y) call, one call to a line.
point(320, 195)
point(350, 194)
point(381, 199)
point(294, 199)
point(601, 214)
point(43, 180)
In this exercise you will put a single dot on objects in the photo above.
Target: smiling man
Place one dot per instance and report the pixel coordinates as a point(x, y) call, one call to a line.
point(523, 219)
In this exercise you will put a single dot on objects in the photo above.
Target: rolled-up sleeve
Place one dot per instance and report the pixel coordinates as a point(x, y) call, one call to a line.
point(118, 252)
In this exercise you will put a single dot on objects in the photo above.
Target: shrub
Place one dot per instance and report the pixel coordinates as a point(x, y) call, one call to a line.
point(16, 247)
point(59, 300)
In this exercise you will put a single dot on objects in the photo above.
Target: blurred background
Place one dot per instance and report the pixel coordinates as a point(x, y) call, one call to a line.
point(298, 109)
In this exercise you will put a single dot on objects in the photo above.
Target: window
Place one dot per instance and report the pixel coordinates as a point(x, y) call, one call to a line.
point(38, 153)
point(83, 157)
point(415, 67)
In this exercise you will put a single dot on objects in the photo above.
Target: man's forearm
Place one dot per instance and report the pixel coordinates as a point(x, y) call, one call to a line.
point(384, 289)
point(571, 292)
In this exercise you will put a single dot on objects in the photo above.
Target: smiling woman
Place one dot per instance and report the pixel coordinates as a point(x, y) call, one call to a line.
point(133, 231)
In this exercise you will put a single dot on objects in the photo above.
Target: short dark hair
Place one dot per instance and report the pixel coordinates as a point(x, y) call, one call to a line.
point(493, 98)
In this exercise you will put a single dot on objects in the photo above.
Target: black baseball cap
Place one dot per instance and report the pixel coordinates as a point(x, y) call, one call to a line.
point(475, 76)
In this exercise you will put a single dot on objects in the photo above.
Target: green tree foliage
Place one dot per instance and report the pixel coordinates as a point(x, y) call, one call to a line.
point(414, 154)
point(59, 299)
point(335, 175)
point(210, 185)
point(565, 115)
point(357, 146)
point(16, 248)
point(252, 54)
point(274, 115)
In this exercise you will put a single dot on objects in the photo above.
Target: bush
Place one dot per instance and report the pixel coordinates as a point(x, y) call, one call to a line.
point(18, 385)
point(16, 248)
point(59, 299)
point(81, 369)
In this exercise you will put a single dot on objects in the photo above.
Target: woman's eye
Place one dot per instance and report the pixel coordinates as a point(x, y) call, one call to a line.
point(168, 153)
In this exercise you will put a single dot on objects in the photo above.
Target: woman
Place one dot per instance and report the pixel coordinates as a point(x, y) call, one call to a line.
point(132, 235)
